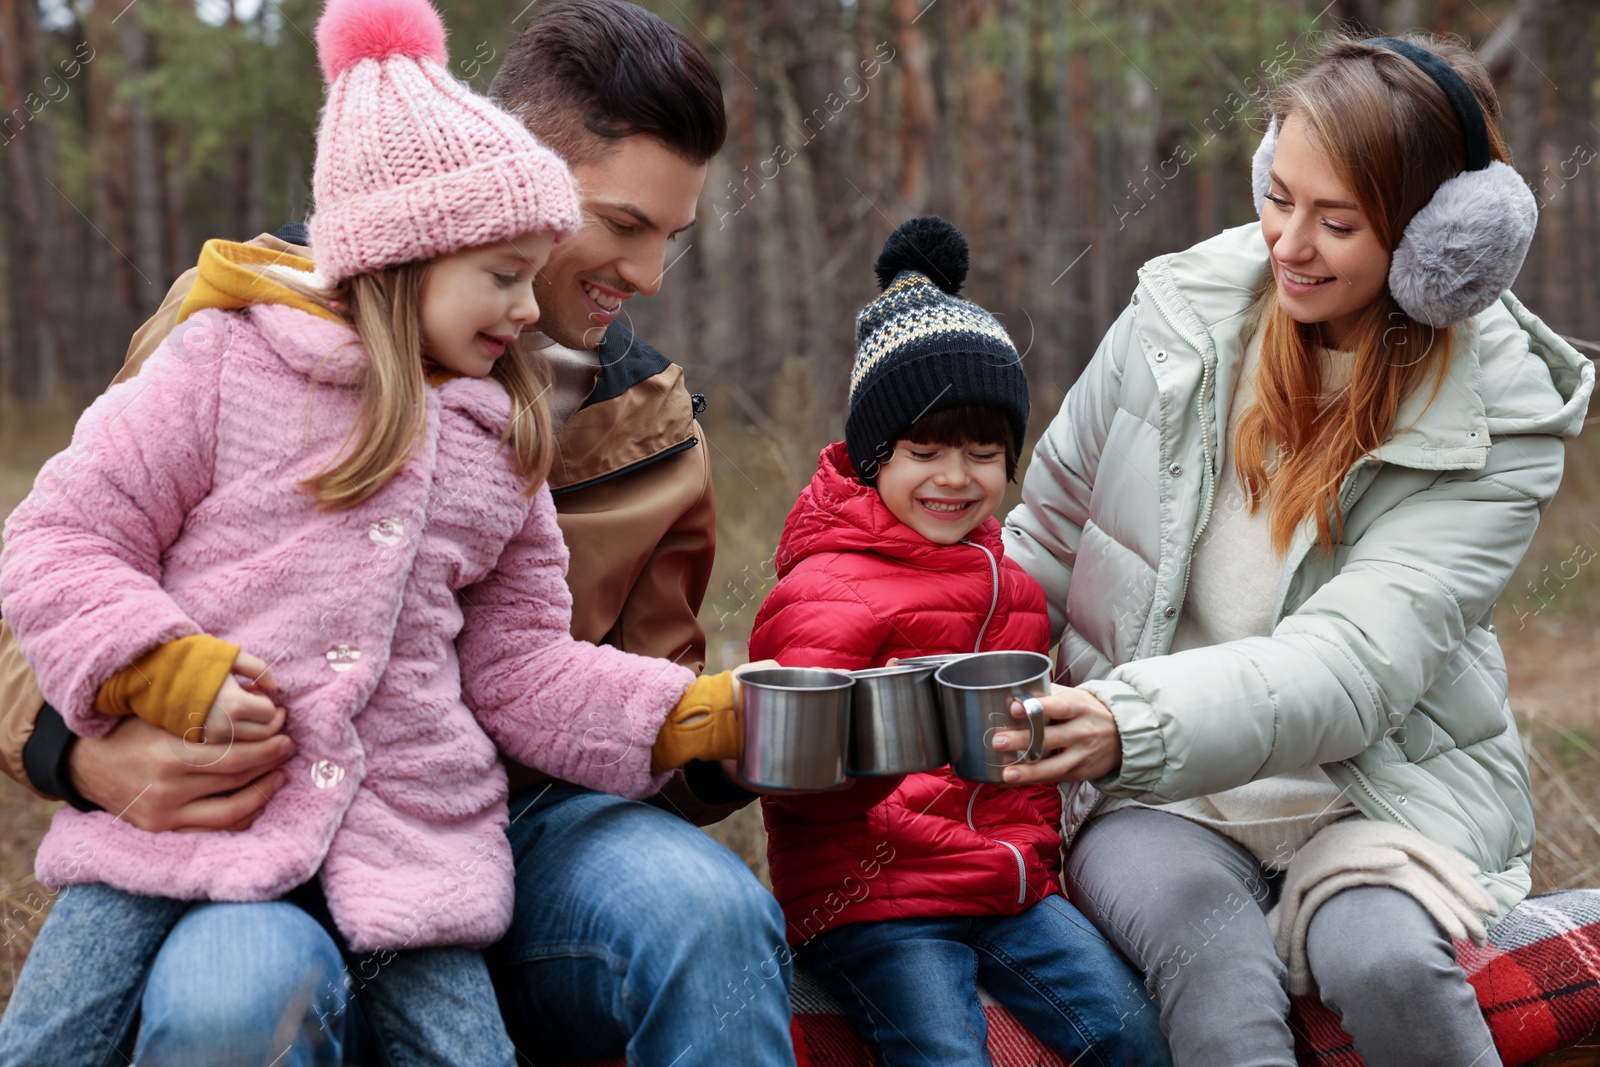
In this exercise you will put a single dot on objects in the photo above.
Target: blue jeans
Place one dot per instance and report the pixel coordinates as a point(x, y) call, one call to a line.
point(910, 987)
point(634, 933)
point(225, 984)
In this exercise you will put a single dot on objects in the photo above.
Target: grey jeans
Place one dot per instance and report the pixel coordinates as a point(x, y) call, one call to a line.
point(1188, 908)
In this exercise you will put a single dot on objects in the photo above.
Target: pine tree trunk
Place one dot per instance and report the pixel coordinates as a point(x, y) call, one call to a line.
point(8, 333)
point(180, 255)
point(1057, 362)
point(144, 159)
point(46, 340)
point(256, 220)
point(1524, 110)
point(755, 356)
point(917, 108)
point(111, 271)
point(1572, 67)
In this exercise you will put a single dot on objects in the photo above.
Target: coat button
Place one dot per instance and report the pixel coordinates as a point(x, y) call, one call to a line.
point(386, 532)
point(1171, 613)
point(325, 774)
point(342, 657)
point(1135, 298)
point(1174, 470)
point(1161, 357)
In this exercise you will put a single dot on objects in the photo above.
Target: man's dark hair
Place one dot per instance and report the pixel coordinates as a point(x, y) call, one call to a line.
point(969, 425)
point(585, 73)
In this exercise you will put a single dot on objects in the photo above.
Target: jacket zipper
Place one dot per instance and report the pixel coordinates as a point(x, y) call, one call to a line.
point(1022, 868)
point(1209, 479)
point(1366, 787)
point(994, 597)
point(665, 453)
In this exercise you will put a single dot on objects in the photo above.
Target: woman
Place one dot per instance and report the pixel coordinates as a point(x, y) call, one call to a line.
point(1272, 520)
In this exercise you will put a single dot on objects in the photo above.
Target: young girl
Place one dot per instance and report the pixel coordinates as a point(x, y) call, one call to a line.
point(1273, 518)
point(332, 483)
point(902, 894)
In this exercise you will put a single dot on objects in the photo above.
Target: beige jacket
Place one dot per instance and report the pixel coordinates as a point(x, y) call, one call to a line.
point(632, 486)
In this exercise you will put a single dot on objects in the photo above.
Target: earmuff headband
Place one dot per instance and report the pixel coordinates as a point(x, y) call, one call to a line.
point(1460, 95)
point(1466, 245)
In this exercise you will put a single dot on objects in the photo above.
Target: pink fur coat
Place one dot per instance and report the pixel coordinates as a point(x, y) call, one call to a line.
point(410, 634)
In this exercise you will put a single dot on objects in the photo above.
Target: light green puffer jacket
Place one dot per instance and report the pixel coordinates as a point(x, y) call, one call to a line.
point(1383, 666)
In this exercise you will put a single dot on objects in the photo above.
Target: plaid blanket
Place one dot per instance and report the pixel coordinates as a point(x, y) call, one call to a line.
point(1538, 982)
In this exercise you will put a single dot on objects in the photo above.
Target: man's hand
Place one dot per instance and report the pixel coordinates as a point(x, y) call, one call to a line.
point(1082, 740)
point(142, 773)
point(242, 712)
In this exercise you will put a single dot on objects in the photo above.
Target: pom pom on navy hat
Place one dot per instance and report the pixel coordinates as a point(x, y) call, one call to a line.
point(921, 348)
point(929, 246)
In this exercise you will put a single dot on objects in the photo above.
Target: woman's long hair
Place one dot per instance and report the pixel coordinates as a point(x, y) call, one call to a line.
point(384, 307)
point(1393, 139)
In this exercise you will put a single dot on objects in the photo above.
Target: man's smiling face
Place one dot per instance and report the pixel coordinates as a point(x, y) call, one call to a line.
point(636, 199)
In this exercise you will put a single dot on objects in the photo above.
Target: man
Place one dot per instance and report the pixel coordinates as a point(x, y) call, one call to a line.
point(633, 932)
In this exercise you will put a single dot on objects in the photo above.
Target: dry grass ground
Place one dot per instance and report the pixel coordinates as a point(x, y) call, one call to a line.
point(1549, 622)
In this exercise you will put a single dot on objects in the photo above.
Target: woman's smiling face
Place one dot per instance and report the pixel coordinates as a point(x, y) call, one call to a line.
point(1328, 261)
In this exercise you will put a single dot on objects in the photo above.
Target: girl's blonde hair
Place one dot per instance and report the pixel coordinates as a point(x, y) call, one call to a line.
point(1393, 139)
point(384, 307)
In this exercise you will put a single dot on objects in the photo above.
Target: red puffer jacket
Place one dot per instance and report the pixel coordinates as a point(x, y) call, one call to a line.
point(856, 587)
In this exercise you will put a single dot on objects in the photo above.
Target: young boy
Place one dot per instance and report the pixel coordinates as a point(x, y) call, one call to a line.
point(903, 894)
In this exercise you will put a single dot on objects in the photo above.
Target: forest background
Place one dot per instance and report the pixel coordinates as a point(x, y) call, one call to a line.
point(1070, 140)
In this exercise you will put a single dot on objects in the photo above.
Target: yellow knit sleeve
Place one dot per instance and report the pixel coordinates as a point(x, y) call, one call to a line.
point(705, 724)
point(171, 686)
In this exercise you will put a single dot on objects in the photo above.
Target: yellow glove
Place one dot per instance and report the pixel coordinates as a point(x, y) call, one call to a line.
point(172, 685)
point(705, 724)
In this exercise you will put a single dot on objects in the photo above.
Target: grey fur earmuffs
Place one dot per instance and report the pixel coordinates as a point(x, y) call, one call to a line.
point(1466, 245)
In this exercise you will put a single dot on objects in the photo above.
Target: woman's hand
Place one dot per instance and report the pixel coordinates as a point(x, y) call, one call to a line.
point(1082, 740)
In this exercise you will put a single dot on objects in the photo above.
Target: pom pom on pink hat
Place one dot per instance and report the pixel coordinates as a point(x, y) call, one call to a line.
point(411, 163)
point(353, 30)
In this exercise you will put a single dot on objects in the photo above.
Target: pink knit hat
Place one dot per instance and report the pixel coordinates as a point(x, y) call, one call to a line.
point(412, 164)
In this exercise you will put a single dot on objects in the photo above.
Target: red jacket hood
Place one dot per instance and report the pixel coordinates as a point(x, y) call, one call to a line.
point(837, 512)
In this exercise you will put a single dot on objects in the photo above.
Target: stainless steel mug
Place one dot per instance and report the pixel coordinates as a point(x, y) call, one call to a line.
point(894, 722)
point(932, 661)
point(796, 724)
point(974, 696)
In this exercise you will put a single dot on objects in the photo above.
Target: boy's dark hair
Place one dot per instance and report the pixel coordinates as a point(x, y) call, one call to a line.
point(585, 73)
point(968, 425)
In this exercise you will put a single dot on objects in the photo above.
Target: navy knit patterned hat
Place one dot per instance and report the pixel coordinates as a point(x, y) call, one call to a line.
point(921, 348)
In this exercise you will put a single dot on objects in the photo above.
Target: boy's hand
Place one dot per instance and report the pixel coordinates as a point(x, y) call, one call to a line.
point(243, 712)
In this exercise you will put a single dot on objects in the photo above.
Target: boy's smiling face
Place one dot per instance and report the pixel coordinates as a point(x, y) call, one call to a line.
point(943, 492)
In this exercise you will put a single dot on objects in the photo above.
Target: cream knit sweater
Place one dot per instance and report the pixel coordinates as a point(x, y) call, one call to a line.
point(1233, 585)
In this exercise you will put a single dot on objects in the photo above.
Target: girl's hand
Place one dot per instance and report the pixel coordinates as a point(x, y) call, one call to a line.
point(1082, 738)
point(244, 712)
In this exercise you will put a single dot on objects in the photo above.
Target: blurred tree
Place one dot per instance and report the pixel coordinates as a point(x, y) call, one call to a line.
point(1070, 141)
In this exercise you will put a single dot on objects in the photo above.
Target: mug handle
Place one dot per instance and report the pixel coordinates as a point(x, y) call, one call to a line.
point(1036, 725)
